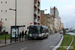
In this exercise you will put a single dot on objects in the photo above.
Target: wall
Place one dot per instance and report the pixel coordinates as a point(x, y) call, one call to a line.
point(25, 13)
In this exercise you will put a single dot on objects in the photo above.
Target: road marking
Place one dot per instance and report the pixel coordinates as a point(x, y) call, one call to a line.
point(24, 48)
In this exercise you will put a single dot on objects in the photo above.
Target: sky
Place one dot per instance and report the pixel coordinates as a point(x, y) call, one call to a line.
point(66, 10)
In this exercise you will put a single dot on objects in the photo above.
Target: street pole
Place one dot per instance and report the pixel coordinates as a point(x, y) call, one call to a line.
point(15, 13)
point(15, 17)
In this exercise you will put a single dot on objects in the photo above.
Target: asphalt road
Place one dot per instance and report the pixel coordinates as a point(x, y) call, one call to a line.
point(45, 44)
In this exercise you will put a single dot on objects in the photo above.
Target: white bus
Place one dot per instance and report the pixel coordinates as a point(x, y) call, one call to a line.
point(38, 31)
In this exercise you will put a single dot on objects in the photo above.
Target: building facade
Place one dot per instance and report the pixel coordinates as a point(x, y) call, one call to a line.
point(28, 11)
point(51, 23)
point(59, 23)
point(43, 18)
point(47, 20)
point(55, 13)
point(62, 26)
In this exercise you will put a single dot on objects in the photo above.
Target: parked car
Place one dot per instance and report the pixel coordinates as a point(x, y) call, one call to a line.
point(61, 32)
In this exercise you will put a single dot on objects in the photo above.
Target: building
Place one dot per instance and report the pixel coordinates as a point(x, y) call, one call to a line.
point(45, 19)
point(55, 13)
point(56, 24)
point(28, 11)
point(62, 26)
point(59, 23)
point(42, 18)
point(51, 23)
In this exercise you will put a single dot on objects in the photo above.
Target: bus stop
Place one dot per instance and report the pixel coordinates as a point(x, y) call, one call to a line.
point(15, 32)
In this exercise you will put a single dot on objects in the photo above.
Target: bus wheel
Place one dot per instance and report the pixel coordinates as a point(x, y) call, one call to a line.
point(47, 36)
point(29, 39)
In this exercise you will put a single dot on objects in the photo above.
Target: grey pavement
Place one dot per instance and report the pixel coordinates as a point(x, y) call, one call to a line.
point(45, 44)
point(2, 42)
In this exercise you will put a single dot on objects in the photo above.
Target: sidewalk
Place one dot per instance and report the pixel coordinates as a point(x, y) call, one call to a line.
point(2, 42)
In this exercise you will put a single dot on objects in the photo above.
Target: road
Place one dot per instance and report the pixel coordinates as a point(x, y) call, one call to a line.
point(45, 44)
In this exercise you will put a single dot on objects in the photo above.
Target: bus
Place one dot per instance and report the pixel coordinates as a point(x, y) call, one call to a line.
point(38, 31)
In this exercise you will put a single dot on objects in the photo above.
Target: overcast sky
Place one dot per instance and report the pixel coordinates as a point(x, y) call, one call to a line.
point(66, 10)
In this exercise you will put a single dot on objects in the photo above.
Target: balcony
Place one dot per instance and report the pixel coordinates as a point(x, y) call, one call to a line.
point(38, 5)
point(38, 23)
point(38, 17)
point(35, 15)
point(38, 20)
point(35, 12)
point(38, 9)
point(38, 2)
point(35, 1)
point(35, 23)
point(35, 7)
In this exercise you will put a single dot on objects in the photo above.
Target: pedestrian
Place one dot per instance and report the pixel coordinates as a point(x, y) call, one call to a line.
point(22, 34)
point(25, 34)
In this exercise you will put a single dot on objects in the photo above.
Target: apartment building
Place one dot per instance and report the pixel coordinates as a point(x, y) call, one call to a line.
point(59, 23)
point(51, 23)
point(43, 18)
point(47, 20)
point(55, 13)
point(28, 11)
point(62, 25)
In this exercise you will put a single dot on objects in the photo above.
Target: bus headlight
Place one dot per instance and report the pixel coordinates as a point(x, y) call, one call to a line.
point(30, 34)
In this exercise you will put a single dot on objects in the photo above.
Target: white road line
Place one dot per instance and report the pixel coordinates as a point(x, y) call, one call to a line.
point(70, 43)
point(24, 48)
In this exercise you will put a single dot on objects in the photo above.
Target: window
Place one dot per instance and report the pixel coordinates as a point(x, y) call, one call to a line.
point(5, 19)
point(5, 10)
point(5, 1)
point(1, 2)
point(38, 19)
point(38, 5)
point(1, 10)
point(38, 12)
point(1, 19)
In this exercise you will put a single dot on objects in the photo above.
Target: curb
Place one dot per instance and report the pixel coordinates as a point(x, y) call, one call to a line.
point(12, 43)
point(70, 43)
point(58, 45)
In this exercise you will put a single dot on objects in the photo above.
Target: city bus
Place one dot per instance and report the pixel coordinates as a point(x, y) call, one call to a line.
point(38, 31)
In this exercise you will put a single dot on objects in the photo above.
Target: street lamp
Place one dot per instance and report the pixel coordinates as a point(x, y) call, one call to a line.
point(15, 12)
point(15, 16)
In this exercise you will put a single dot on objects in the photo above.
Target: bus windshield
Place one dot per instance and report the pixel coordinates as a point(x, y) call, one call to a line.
point(33, 29)
point(38, 29)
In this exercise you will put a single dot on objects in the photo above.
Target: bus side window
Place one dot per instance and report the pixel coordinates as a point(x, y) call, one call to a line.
point(41, 29)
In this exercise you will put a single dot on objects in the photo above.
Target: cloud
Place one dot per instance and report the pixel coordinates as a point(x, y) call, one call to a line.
point(69, 7)
point(66, 9)
point(57, 1)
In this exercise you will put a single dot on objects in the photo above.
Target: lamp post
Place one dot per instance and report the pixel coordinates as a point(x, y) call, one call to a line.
point(15, 16)
point(15, 12)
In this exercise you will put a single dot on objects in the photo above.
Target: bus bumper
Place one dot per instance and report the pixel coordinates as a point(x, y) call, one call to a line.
point(35, 37)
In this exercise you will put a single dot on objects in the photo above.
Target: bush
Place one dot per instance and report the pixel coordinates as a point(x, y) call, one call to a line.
point(2, 33)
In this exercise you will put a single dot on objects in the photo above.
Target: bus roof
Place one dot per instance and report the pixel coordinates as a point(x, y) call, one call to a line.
point(40, 26)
